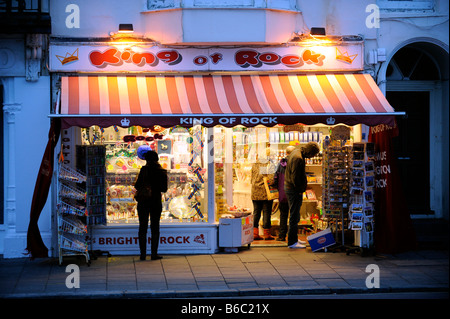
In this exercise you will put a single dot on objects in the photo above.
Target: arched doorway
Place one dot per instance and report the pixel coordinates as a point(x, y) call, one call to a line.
point(417, 83)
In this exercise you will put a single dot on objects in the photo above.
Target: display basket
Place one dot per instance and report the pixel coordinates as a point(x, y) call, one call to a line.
point(72, 226)
point(72, 244)
point(70, 174)
point(68, 209)
point(71, 192)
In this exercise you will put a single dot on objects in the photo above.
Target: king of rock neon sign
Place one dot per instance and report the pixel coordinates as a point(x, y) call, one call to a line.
point(95, 58)
point(242, 58)
point(116, 57)
point(246, 58)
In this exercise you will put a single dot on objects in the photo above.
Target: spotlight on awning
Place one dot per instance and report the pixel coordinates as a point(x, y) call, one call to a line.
point(126, 28)
point(318, 32)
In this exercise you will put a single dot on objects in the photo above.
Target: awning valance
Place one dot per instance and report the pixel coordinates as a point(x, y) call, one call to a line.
point(229, 100)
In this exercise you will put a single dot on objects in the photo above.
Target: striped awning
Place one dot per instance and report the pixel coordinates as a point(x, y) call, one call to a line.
point(228, 100)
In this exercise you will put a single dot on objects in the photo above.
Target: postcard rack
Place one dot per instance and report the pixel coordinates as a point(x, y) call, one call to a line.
point(91, 159)
point(71, 214)
point(362, 200)
point(336, 177)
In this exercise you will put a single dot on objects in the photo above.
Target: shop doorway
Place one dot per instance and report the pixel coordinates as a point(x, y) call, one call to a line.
point(416, 77)
point(412, 147)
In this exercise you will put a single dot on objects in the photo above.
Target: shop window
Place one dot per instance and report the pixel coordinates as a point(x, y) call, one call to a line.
point(161, 4)
point(271, 4)
point(180, 151)
point(224, 3)
point(340, 178)
point(238, 149)
point(406, 4)
point(232, 153)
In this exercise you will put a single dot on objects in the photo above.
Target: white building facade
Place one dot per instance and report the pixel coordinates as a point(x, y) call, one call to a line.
point(406, 46)
point(25, 97)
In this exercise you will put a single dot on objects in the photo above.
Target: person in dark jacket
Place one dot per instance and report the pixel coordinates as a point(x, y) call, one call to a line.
point(153, 175)
point(295, 183)
point(278, 182)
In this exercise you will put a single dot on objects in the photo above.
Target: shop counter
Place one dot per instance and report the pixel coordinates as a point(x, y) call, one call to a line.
point(175, 238)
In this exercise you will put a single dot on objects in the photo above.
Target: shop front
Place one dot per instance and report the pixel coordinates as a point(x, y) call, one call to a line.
point(210, 114)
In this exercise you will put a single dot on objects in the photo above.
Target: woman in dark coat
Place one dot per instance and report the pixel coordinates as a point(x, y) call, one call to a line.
point(153, 175)
point(278, 182)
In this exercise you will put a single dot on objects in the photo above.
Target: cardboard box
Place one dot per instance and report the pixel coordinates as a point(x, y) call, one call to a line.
point(321, 239)
point(235, 232)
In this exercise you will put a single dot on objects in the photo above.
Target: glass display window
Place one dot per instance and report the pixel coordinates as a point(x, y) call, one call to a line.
point(186, 155)
point(237, 149)
point(181, 153)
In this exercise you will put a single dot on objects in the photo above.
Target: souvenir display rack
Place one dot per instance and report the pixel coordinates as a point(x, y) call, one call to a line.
point(361, 210)
point(336, 177)
point(91, 160)
point(71, 214)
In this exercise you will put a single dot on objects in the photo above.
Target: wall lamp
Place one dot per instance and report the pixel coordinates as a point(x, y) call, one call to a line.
point(317, 32)
point(125, 36)
point(126, 28)
point(124, 33)
point(317, 36)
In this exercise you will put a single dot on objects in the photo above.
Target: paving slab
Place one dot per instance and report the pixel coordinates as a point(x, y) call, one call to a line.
point(249, 272)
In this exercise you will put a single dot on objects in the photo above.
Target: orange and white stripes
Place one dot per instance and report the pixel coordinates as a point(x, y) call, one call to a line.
point(221, 94)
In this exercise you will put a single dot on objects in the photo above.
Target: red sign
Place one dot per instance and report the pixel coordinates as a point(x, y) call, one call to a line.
point(246, 58)
point(146, 57)
point(116, 57)
point(169, 240)
point(174, 238)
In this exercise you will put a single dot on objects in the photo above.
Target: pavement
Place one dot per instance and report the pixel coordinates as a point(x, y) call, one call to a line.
point(250, 272)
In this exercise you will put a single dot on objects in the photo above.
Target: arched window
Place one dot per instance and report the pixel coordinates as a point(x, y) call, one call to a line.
point(413, 64)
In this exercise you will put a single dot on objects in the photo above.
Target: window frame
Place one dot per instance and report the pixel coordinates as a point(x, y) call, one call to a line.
point(406, 4)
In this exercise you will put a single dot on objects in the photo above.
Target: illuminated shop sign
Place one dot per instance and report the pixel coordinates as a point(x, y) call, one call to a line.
point(230, 120)
point(144, 58)
point(126, 239)
point(164, 240)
